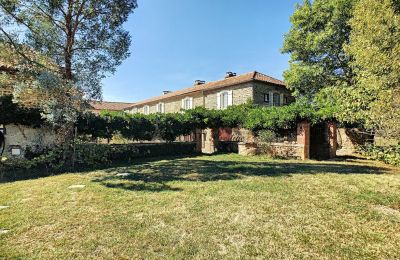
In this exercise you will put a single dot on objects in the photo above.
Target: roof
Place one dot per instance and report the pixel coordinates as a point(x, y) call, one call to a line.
point(107, 105)
point(231, 81)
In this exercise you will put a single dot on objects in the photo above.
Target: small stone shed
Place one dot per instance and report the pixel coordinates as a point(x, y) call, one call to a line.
point(308, 142)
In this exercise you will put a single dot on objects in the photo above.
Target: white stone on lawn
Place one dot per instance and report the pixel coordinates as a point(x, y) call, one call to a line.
point(79, 186)
point(4, 231)
point(123, 174)
point(4, 207)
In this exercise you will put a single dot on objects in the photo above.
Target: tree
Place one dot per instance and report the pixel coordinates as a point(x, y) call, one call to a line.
point(85, 38)
point(315, 43)
point(375, 96)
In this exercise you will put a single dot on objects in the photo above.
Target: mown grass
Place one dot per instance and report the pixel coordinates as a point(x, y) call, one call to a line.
point(223, 206)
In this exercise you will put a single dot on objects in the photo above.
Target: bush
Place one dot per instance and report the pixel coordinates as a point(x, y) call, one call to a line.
point(387, 154)
point(169, 126)
point(92, 156)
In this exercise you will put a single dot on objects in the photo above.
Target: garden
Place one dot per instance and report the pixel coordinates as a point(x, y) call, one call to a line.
point(221, 206)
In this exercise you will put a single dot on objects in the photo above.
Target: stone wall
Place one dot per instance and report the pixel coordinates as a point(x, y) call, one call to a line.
point(240, 95)
point(349, 138)
point(284, 150)
point(298, 149)
point(20, 137)
point(260, 89)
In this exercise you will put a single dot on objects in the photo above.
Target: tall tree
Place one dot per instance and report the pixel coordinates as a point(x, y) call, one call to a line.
point(315, 43)
point(375, 48)
point(85, 38)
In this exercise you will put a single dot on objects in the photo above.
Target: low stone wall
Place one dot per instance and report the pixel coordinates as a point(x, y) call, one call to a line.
point(20, 138)
point(286, 150)
point(349, 138)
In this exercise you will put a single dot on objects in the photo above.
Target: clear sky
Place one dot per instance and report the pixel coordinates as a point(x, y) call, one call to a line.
point(178, 41)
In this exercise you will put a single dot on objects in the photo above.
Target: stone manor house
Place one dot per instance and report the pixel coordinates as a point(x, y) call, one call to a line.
point(232, 90)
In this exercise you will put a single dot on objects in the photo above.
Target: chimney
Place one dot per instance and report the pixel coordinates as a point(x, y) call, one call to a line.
point(230, 74)
point(165, 92)
point(199, 82)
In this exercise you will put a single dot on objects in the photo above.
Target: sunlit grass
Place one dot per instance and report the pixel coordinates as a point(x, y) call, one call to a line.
point(224, 206)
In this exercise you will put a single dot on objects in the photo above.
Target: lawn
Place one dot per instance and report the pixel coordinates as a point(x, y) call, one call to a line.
point(223, 206)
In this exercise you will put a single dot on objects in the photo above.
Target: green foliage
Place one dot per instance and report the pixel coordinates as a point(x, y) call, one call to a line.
point(12, 113)
point(51, 160)
point(375, 96)
point(84, 38)
point(90, 155)
point(169, 126)
point(315, 42)
point(387, 154)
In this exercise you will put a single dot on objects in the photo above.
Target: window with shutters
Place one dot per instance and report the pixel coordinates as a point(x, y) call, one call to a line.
point(224, 99)
point(146, 110)
point(160, 107)
point(187, 103)
point(277, 99)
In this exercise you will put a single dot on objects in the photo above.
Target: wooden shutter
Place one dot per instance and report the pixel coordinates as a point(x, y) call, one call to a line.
point(219, 100)
point(230, 98)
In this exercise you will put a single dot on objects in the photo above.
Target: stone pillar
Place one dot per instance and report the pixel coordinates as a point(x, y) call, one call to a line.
point(211, 141)
point(198, 139)
point(303, 138)
point(332, 138)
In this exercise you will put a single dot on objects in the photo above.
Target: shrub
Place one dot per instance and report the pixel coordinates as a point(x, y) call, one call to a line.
point(387, 154)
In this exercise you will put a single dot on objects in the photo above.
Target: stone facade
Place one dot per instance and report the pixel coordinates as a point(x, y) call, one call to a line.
point(19, 138)
point(260, 90)
point(298, 149)
point(248, 91)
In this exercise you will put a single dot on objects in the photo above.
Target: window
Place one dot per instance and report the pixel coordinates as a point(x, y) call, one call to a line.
point(286, 100)
point(187, 103)
point(277, 99)
point(266, 98)
point(146, 110)
point(160, 107)
point(224, 99)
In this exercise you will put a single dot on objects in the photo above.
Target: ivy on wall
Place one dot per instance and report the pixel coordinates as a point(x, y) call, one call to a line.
point(169, 126)
point(12, 113)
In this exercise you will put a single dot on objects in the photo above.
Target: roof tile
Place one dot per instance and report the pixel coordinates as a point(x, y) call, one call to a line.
point(251, 76)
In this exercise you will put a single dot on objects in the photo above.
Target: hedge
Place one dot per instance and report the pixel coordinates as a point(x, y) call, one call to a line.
point(387, 154)
point(90, 155)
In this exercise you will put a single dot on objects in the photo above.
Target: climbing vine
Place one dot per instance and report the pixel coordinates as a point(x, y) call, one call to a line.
point(13, 113)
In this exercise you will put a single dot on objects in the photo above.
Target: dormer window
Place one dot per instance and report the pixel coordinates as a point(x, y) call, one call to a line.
point(187, 103)
point(224, 99)
point(146, 110)
point(160, 107)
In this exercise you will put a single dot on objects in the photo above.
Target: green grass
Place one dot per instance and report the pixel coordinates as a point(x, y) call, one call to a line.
point(223, 206)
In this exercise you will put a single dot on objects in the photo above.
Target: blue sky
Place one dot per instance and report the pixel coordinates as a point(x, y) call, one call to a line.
point(178, 41)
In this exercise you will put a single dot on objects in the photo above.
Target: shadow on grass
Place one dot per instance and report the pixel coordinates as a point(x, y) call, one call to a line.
point(153, 175)
point(20, 174)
